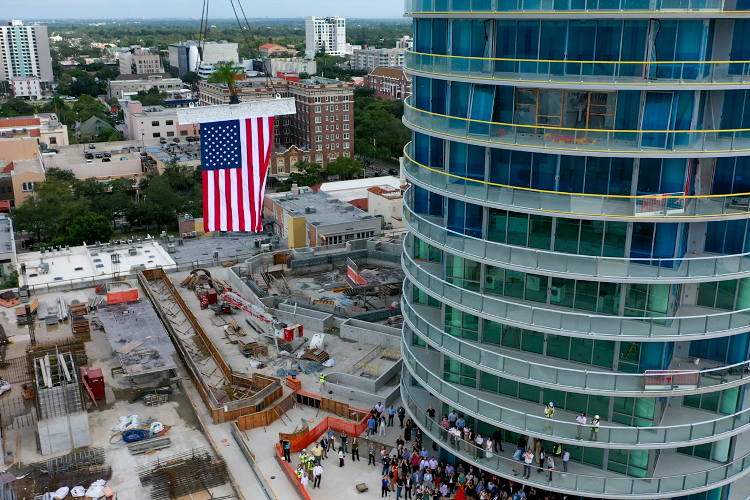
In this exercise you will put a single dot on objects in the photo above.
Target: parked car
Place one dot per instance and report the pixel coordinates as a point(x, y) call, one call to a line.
point(92, 146)
point(106, 159)
point(393, 171)
point(163, 140)
point(176, 139)
point(99, 155)
point(107, 154)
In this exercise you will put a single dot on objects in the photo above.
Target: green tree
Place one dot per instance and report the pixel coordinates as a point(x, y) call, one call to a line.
point(114, 102)
point(190, 78)
point(109, 135)
point(88, 229)
point(226, 73)
point(151, 98)
point(62, 175)
point(379, 119)
point(308, 174)
point(16, 107)
point(345, 168)
point(49, 211)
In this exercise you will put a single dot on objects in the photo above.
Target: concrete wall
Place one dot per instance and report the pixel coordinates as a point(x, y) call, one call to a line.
point(366, 390)
point(64, 433)
point(312, 320)
point(371, 333)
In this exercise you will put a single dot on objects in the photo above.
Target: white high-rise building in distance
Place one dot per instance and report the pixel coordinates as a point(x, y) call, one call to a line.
point(327, 34)
point(24, 52)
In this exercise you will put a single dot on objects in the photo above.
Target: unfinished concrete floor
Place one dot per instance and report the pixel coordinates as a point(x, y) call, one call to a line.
point(345, 353)
point(178, 413)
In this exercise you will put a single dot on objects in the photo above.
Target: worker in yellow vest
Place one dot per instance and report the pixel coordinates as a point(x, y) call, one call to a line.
point(322, 381)
point(549, 412)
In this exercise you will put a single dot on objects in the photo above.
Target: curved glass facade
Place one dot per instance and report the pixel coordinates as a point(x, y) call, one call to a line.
point(579, 233)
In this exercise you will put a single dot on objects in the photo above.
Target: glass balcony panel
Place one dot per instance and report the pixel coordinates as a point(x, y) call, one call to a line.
point(678, 483)
point(540, 373)
point(678, 434)
point(524, 257)
point(617, 486)
point(519, 368)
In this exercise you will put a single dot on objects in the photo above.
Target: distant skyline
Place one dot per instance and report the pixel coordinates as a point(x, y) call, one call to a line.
point(191, 9)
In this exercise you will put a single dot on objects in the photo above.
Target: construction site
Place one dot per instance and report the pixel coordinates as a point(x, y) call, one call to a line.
point(97, 381)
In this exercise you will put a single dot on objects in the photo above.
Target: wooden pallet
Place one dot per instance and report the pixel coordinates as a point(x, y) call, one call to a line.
point(315, 355)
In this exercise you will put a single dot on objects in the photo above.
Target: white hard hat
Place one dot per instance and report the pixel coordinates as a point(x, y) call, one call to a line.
point(551, 404)
point(596, 417)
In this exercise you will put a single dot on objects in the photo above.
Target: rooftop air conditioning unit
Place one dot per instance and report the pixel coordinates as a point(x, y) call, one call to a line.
point(310, 210)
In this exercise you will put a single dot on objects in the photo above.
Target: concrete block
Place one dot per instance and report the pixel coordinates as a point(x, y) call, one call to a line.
point(79, 429)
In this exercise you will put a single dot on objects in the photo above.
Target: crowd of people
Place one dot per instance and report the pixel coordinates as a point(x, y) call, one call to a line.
point(410, 471)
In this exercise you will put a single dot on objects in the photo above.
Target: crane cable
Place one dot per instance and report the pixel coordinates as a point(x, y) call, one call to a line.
point(269, 79)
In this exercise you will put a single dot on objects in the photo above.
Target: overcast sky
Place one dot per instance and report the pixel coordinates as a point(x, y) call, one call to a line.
point(187, 9)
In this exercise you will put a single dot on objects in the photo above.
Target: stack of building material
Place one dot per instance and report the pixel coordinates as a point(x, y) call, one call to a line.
point(316, 355)
point(79, 322)
point(180, 475)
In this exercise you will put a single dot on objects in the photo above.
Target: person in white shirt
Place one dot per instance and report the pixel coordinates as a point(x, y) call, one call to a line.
point(433, 463)
point(528, 458)
point(304, 480)
point(581, 419)
point(479, 440)
point(565, 459)
point(488, 448)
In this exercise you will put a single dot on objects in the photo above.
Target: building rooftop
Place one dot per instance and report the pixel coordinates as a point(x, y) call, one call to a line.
point(81, 264)
point(327, 209)
point(7, 242)
point(357, 188)
point(94, 125)
point(387, 72)
point(147, 76)
point(387, 192)
point(33, 165)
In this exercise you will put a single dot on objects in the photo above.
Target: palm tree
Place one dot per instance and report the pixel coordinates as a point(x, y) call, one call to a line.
point(226, 72)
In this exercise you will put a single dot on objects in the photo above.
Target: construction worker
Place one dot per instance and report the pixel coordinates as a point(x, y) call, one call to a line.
point(300, 472)
point(549, 412)
point(310, 466)
point(303, 457)
point(322, 381)
point(594, 436)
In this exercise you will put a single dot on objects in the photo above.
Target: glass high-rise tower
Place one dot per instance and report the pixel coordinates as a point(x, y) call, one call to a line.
point(579, 236)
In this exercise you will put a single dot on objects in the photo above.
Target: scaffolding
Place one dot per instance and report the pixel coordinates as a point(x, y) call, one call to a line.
point(57, 390)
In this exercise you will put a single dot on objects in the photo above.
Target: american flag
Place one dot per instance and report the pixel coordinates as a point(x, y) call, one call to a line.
point(235, 156)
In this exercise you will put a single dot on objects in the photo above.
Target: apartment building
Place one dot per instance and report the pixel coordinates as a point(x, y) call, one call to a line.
point(326, 34)
point(370, 58)
point(570, 225)
point(389, 83)
point(136, 61)
point(273, 65)
point(29, 87)
point(323, 125)
point(24, 51)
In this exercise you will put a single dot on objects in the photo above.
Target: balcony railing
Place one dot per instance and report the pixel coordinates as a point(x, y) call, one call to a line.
point(609, 436)
point(604, 485)
point(572, 323)
point(644, 207)
point(598, 7)
point(682, 143)
point(570, 72)
point(684, 270)
point(589, 381)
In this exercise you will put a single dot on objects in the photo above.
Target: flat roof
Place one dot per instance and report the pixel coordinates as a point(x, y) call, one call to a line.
point(328, 210)
point(6, 235)
point(137, 322)
point(357, 188)
point(79, 264)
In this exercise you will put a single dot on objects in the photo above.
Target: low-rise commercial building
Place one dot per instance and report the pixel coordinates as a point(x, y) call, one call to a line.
point(271, 49)
point(8, 259)
point(313, 219)
point(125, 85)
point(273, 65)
point(153, 122)
point(386, 203)
point(122, 161)
point(136, 61)
point(370, 58)
point(389, 83)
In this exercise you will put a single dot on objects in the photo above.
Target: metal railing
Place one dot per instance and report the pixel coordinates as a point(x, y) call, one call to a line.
point(573, 323)
point(589, 381)
point(624, 270)
point(608, 436)
point(685, 143)
point(595, 7)
point(616, 206)
point(605, 485)
point(567, 71)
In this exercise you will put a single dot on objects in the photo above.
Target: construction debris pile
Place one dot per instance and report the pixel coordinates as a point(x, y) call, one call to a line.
point(141, 436)
point(184, 474)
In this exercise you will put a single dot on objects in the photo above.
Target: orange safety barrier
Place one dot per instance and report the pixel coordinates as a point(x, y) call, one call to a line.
point(290, 474)
point(119, 297)
point(353, 429)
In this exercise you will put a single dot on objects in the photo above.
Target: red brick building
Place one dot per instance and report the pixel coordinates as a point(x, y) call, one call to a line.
point(321, 130)
point(389, 83)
